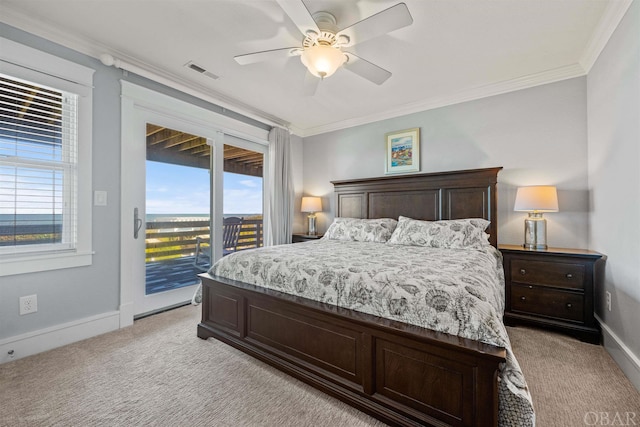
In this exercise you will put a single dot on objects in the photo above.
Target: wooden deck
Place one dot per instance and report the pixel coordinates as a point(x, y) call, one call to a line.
point(171, 247)
point(170, 274)
point(175, 239)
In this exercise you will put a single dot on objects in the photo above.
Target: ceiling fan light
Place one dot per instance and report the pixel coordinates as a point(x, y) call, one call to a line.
point(321, 60)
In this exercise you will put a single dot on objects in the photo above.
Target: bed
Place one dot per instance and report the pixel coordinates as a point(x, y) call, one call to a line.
point(376, 356)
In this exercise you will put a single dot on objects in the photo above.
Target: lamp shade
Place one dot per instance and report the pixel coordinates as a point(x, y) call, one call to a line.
point(322, 60)
point(538, 198)
point(311, 204)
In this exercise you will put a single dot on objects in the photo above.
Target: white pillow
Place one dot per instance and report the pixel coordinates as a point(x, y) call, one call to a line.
point(454, 233)
point(361, 230)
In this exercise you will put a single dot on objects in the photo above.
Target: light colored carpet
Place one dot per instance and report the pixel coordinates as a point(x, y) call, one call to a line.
point(158, 373)
point(573, 383)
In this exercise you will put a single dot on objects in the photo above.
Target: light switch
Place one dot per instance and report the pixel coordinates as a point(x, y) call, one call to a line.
point(100, 198)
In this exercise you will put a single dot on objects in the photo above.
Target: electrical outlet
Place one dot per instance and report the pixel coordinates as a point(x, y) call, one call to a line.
point(608, 300)
point(28, 304)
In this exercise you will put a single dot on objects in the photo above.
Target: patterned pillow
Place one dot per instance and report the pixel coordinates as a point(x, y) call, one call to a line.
point(454, 233)
point(361, 230)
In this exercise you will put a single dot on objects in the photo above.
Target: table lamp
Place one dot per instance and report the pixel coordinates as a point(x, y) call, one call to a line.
point(311, 205)
point(536, 200)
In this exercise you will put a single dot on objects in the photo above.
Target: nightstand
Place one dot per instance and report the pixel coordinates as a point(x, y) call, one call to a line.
point(298, 238)
point(553, 288)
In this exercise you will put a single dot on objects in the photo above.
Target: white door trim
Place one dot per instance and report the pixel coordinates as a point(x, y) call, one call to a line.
point(140, 105)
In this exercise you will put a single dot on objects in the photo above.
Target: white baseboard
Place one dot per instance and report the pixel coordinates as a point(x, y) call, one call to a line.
point(623, 356)
point(56, 336)
point(126, 314)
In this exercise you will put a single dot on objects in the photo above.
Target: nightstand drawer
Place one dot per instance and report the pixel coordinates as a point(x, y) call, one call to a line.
point(564, 275)
point(547, 302)
point(553, 288)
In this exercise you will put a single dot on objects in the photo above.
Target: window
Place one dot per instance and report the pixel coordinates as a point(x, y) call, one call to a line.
point(45, 161)
point(38, 165)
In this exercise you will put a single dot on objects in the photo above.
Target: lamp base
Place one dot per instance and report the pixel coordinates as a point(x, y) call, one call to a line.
point(535, 232)
point(312, 225)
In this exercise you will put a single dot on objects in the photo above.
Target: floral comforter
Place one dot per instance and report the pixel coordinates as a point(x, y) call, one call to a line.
point(456, 291)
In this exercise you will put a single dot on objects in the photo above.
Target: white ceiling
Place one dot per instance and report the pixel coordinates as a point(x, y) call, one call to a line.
point(455, 50)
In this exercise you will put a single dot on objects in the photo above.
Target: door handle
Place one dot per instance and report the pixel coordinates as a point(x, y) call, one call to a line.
point(137, 223)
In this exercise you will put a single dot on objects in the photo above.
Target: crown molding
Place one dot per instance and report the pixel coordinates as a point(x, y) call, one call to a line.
point(95, 49)
point(202, 92)
point(609, 21)
point(471, 94)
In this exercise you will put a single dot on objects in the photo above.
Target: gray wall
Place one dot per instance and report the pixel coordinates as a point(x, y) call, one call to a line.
point(613, 105)
point(72, 294)
point(538, 135)
point(75, 293)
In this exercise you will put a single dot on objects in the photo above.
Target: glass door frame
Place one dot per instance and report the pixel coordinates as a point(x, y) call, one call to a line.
point(217, 185)
point(139, 106)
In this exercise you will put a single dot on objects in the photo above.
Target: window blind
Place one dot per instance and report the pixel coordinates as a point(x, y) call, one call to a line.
point(38, 167)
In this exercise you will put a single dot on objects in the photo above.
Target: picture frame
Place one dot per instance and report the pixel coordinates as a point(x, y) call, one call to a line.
point(402, 151)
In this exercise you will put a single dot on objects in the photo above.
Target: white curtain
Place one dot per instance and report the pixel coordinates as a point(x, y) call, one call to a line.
point(279, 221)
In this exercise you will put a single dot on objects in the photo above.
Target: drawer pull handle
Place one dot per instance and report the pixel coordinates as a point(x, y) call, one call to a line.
point(569, 305)
point(523, 271)
point(569, 276)
point(523, 298)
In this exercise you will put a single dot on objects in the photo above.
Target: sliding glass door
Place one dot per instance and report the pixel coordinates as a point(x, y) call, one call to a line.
point(243, 199)
point(196, 199)
point(177, 209)
point(183, 169)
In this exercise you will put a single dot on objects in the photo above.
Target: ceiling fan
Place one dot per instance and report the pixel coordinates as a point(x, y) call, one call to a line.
point(322, 46)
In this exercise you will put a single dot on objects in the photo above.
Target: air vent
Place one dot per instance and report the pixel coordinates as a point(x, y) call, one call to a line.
point(201, 70)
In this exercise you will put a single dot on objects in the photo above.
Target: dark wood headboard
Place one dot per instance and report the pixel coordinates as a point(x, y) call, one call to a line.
point(428, 196)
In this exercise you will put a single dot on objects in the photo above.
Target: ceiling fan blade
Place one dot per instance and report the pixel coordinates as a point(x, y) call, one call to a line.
point(381, 23)
point(310, 84)
point(366, 69)
point(266, 55)
point(300, 15)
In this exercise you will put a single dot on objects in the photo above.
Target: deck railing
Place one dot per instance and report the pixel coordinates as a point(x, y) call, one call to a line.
point(174, 239)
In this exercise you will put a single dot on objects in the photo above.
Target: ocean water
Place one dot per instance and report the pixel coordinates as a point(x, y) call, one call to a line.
point(29, 219)
point(175, 217)
point(189, 217)
point(47, 228)
point(10, 223)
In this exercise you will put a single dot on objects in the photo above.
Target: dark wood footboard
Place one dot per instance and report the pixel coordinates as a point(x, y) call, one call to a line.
point(401, 374)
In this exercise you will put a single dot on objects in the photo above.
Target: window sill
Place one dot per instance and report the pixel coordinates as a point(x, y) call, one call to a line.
point(33, 263)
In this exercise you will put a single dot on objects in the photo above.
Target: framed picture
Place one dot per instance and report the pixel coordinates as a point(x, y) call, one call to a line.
point(403, 151)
